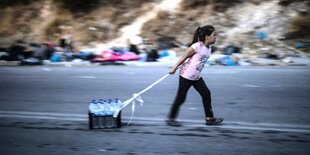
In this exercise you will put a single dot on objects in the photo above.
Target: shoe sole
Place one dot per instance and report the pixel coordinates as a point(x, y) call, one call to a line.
point(171, 124)
point(218, 122)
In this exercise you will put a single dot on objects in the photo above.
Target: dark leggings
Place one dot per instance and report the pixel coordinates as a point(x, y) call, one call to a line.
point(184, 86)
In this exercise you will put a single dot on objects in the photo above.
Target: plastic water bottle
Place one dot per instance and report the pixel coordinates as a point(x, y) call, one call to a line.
point(93, 109)
point(102, 107)
point(117, 104)
point(102, 113)
point(110, 110)
point(111, 107)
point(107, 108)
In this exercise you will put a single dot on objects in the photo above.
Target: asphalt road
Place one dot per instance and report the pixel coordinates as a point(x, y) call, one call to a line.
point(43, 110)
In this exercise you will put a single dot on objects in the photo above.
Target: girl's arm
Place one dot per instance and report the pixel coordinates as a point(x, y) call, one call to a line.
point(190, 52)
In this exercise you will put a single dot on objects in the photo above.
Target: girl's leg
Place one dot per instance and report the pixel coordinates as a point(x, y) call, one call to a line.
point(184, 85)
point(205, 93)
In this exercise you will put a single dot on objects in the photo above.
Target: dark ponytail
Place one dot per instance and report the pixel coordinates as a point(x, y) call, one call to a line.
point(201, 32)
point(195, 38)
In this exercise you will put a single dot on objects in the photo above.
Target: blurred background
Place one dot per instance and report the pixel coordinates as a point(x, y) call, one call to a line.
point(257, 32)
point(67, 53)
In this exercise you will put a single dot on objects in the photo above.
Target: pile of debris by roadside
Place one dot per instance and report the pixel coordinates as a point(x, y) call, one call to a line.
point(262, 52)
point(256, 52)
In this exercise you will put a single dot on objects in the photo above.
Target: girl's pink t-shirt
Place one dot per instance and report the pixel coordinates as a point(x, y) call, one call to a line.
point(191, 69)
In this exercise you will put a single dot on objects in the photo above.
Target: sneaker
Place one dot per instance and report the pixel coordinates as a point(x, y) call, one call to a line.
point(172, 122)
point(214, 121)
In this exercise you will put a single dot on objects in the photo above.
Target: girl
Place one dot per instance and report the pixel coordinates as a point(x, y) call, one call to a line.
point(198, 54)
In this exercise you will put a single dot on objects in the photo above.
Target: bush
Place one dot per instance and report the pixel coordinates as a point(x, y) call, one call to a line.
point(219, 5)
point(223, 5)
point(288, 2)
point(77, 5)
point(194, 3)
point(299, 27)
point(54, 27)
point(6, 3)
point(89, 5)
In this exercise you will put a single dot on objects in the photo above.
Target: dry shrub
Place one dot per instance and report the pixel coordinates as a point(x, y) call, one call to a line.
point(219, 5)
point(77, 5)
point(162, 15)
point(14, 19)
point(299, 27)
point(55, 27)
point(193, 4)
point(223, 5)
point(8, 3)
point(288, 2)
point(6, 22)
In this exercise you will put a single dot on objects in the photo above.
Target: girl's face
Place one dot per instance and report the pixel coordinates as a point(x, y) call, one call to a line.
point(211, 39)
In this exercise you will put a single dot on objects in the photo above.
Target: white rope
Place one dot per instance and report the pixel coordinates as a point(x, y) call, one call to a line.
point(137, 97)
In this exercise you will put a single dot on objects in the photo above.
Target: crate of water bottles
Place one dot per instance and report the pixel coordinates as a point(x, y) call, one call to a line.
point(101, 114)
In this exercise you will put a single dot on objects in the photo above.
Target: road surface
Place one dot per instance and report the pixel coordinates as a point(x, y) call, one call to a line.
point(43, 110)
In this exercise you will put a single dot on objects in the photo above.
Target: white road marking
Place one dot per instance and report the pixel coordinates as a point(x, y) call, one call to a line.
point(41, 113)
point(222, 71)
point(45, 117)
point(147, 120)
point(47, 69)
point(87, 77)
point(251, 86)
point(131, 73)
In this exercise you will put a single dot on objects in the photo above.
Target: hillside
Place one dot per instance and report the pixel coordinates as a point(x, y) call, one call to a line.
point(47, 20)
point(93, 22)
